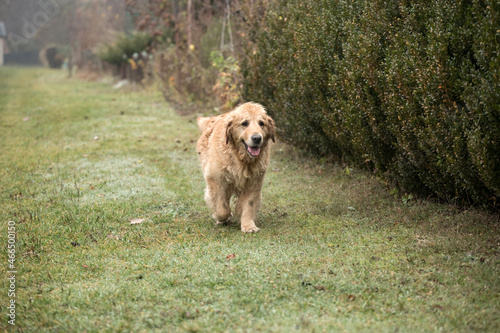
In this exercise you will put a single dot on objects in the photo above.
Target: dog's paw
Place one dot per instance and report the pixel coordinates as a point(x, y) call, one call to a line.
point(225, 222)
point(250, 229)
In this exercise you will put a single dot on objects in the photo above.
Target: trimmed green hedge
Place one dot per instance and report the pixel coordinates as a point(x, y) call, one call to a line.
point(410, 88)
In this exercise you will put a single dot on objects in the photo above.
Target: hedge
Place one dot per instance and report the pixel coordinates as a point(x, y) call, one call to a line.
point(410, 88)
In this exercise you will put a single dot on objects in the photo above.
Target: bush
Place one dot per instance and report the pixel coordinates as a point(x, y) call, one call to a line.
point(53, 55)
point(183, 80)
point(410, 88)
point(128, 54)
point(227, 85)
point(124, 48)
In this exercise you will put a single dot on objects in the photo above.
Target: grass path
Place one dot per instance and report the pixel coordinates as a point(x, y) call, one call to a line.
point(336, 252)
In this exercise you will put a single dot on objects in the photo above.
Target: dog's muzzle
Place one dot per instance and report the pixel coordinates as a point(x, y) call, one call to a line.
point(254, 149)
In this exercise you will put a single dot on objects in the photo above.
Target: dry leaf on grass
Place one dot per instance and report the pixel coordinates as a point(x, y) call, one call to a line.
point(231, 256)
point(423, 241)
point(136, 221)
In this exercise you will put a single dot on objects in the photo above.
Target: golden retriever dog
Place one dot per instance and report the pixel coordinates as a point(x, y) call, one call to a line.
point(234, 150)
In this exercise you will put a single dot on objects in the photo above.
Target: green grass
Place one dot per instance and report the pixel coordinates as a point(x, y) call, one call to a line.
point(336, 252)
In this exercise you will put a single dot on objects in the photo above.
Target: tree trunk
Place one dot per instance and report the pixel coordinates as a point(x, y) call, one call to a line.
point(177, 44)
point(189, 23)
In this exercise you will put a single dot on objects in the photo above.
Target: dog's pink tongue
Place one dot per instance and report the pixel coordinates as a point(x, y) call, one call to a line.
point(255, 151)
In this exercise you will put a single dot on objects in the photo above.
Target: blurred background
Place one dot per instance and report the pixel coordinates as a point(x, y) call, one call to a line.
point(188, 47)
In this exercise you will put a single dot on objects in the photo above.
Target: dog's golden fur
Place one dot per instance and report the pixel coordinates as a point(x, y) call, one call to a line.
point(234, 161)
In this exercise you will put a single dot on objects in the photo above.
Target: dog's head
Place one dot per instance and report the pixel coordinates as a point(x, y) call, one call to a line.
point(249, 128)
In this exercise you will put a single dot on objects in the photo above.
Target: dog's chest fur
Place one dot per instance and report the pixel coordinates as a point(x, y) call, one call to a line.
point(244, 176)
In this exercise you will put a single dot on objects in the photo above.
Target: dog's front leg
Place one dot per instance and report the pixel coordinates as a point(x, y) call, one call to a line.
point(248, 207)
point(217, 198)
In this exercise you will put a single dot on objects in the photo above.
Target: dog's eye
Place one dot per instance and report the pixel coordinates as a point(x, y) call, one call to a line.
point(261, 123)
point(244, 124)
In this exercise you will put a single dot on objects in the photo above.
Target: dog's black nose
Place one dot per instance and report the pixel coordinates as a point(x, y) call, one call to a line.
point(257, 138)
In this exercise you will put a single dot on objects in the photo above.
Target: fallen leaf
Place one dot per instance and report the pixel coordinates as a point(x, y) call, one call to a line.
point(231, 256)
point(351, 297)
point(422, 241)
point(320, 288)
point(136, 221)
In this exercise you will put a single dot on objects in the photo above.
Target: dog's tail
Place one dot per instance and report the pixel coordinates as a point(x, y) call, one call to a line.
point(202, 122)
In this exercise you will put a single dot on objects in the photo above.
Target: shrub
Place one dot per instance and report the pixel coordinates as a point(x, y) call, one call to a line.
point(124, 48)
point(128, 54)
point(227, 85)
point(410, 88)
point(53, 55)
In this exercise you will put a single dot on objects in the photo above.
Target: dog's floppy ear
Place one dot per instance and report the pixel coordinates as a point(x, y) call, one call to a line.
point(228, 131)
point(202, 122)
point(271, 128)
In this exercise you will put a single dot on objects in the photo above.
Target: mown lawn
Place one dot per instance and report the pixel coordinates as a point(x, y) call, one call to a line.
point(337, 252)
